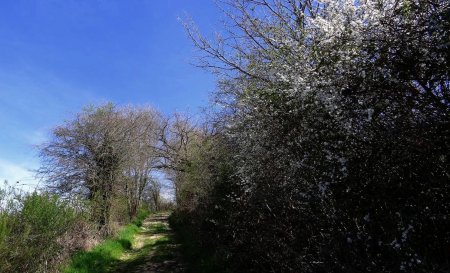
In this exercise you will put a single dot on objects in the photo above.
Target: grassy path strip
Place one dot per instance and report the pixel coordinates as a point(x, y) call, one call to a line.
point(154, 249)
point(150, 248)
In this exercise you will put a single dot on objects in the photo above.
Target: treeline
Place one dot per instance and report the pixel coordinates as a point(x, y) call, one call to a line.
point(329, 150)
point(101, 170)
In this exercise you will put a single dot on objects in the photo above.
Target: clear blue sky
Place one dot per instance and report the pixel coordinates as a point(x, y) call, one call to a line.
point(56, 56)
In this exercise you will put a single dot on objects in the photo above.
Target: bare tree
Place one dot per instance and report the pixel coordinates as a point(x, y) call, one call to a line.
point(144, 154)
point(176, 135)
point(102, 154)
point(154, 194)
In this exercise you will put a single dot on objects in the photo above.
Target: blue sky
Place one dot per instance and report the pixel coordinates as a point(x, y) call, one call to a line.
point(56, 56)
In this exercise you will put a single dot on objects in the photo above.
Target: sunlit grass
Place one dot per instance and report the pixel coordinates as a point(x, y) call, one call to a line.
point(105, 256)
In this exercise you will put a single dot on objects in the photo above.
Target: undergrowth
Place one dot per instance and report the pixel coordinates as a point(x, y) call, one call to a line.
point(30, 226)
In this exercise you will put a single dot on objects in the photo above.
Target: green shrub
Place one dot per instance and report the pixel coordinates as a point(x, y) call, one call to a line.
point(30, 226)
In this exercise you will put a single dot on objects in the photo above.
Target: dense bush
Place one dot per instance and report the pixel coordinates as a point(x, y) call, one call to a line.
point(39, 232)
point(336, 122)
point(31, 226)
point(202, 219)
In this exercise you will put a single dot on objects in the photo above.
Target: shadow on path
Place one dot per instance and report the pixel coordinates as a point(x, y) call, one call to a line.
point(154, 249)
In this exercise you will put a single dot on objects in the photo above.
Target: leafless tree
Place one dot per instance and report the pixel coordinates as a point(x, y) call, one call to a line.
point(144, 154)
point(176, 134)
point(154, 194)
point(103, 153)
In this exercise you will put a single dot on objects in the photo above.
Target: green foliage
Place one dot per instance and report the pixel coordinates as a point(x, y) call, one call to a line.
point(140, 217)
point(30, 226)
point(125, 236)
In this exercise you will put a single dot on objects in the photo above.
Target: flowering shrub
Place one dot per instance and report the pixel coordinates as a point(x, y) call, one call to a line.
point(337, 114)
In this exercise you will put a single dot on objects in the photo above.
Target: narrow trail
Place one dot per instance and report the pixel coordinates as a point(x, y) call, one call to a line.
point(154, 249)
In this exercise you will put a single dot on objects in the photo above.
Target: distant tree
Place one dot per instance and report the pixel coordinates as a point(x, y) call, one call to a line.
point(176, 135)
point(143, 154)
point(154, 194)
point(103, 153)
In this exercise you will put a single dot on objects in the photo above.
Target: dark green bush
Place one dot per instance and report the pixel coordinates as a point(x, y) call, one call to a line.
point(200, 257)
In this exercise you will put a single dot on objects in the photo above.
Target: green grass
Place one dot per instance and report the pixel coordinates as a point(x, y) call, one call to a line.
point(105, 256)
point(161, 247)
point(158, 246)
point(139, 219)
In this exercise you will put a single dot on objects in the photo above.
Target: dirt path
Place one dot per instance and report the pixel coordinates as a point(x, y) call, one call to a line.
point(154, 249)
